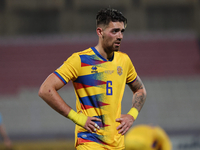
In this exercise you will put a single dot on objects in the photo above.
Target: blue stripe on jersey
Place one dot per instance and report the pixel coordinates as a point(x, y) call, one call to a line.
point(94, 101)
point(91, 79)
point(59, 76)
point(90, 136)
point(91, 59)
point(97, 53)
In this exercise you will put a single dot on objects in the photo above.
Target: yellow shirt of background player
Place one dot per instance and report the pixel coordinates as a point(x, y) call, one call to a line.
point(146, 137)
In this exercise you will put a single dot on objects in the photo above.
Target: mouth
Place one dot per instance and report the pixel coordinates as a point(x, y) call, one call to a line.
point(117, 43)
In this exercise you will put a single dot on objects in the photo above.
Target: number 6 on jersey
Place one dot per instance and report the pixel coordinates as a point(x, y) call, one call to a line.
point(109, 88)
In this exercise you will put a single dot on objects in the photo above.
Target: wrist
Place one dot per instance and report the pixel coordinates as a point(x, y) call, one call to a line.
point(133, 112)
point(79, 119)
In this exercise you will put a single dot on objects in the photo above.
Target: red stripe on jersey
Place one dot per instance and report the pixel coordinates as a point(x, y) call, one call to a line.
point(84, 64)
point(80, 85)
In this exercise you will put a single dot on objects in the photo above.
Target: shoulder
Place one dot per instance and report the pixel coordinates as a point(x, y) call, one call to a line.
point(122, 55)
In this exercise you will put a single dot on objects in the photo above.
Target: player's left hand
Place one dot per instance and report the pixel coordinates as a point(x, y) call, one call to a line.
point(126, 122)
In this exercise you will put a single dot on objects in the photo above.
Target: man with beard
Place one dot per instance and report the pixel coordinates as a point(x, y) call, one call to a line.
point(99, 75)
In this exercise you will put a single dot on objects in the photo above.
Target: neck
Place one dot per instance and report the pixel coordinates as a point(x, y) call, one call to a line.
point(104, 53)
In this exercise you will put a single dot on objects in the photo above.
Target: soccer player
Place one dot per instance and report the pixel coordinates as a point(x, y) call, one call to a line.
point(146, 137)
point(99, 75)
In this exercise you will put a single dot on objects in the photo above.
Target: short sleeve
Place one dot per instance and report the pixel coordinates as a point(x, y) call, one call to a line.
point(69, 69)
point(131, 73)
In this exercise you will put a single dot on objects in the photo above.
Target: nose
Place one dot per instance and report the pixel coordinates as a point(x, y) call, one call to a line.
point(120, 36)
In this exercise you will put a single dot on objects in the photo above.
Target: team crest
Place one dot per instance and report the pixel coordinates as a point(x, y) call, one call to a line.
point(119, 70)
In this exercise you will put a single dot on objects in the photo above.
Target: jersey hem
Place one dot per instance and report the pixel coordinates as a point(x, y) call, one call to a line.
point(60, 77)
point(132, 81)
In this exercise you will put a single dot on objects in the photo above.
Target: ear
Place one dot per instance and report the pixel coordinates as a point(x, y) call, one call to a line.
point(99, 31)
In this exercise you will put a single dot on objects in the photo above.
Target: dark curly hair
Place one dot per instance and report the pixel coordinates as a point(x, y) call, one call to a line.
point(106, 15)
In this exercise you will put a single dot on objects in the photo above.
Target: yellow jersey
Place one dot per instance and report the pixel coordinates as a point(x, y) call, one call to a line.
point(146, 137)
point(99, 86)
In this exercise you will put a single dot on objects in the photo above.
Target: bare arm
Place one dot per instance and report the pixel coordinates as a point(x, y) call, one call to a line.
point(139, 97)
point(139, 91)
point(48, 92)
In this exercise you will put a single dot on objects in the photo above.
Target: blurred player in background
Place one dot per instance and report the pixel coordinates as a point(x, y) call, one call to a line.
point(146, 137)
point(99, 76)
point(4, 135)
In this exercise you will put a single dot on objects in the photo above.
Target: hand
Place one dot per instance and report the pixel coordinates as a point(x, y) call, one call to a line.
point(90, 125)
point(126, 122)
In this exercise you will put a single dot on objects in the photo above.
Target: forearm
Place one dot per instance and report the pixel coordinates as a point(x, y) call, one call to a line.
point(48, 92)
point(139, 93)
point(138, 102)
point(54, 100)
point(139, 99)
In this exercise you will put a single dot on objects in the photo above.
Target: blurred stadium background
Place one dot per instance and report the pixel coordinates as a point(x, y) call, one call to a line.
point(162, 39)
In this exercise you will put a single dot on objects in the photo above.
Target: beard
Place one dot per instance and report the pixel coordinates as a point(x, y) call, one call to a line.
point(116, 48)
point(110, 46)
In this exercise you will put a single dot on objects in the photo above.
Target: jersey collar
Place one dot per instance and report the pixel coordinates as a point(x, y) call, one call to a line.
point(99, 55)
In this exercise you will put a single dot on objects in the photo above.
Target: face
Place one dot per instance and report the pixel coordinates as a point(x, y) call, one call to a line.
point(112, 36)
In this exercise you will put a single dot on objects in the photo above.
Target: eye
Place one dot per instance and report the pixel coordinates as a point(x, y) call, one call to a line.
point(115, 31)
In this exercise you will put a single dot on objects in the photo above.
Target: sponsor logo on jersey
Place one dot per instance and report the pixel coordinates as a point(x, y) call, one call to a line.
point(109, 71)
point(119, 70)
point(94, 69)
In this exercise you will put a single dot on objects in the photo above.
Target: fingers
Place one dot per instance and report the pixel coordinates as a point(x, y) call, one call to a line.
point(91, 126)
point(125, 124)
point(96, 126)
point(123, 129)
point(119, 119)
point(121, 125)
point(95, 119)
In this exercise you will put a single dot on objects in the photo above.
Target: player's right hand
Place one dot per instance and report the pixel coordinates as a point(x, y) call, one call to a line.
point(90, 125)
